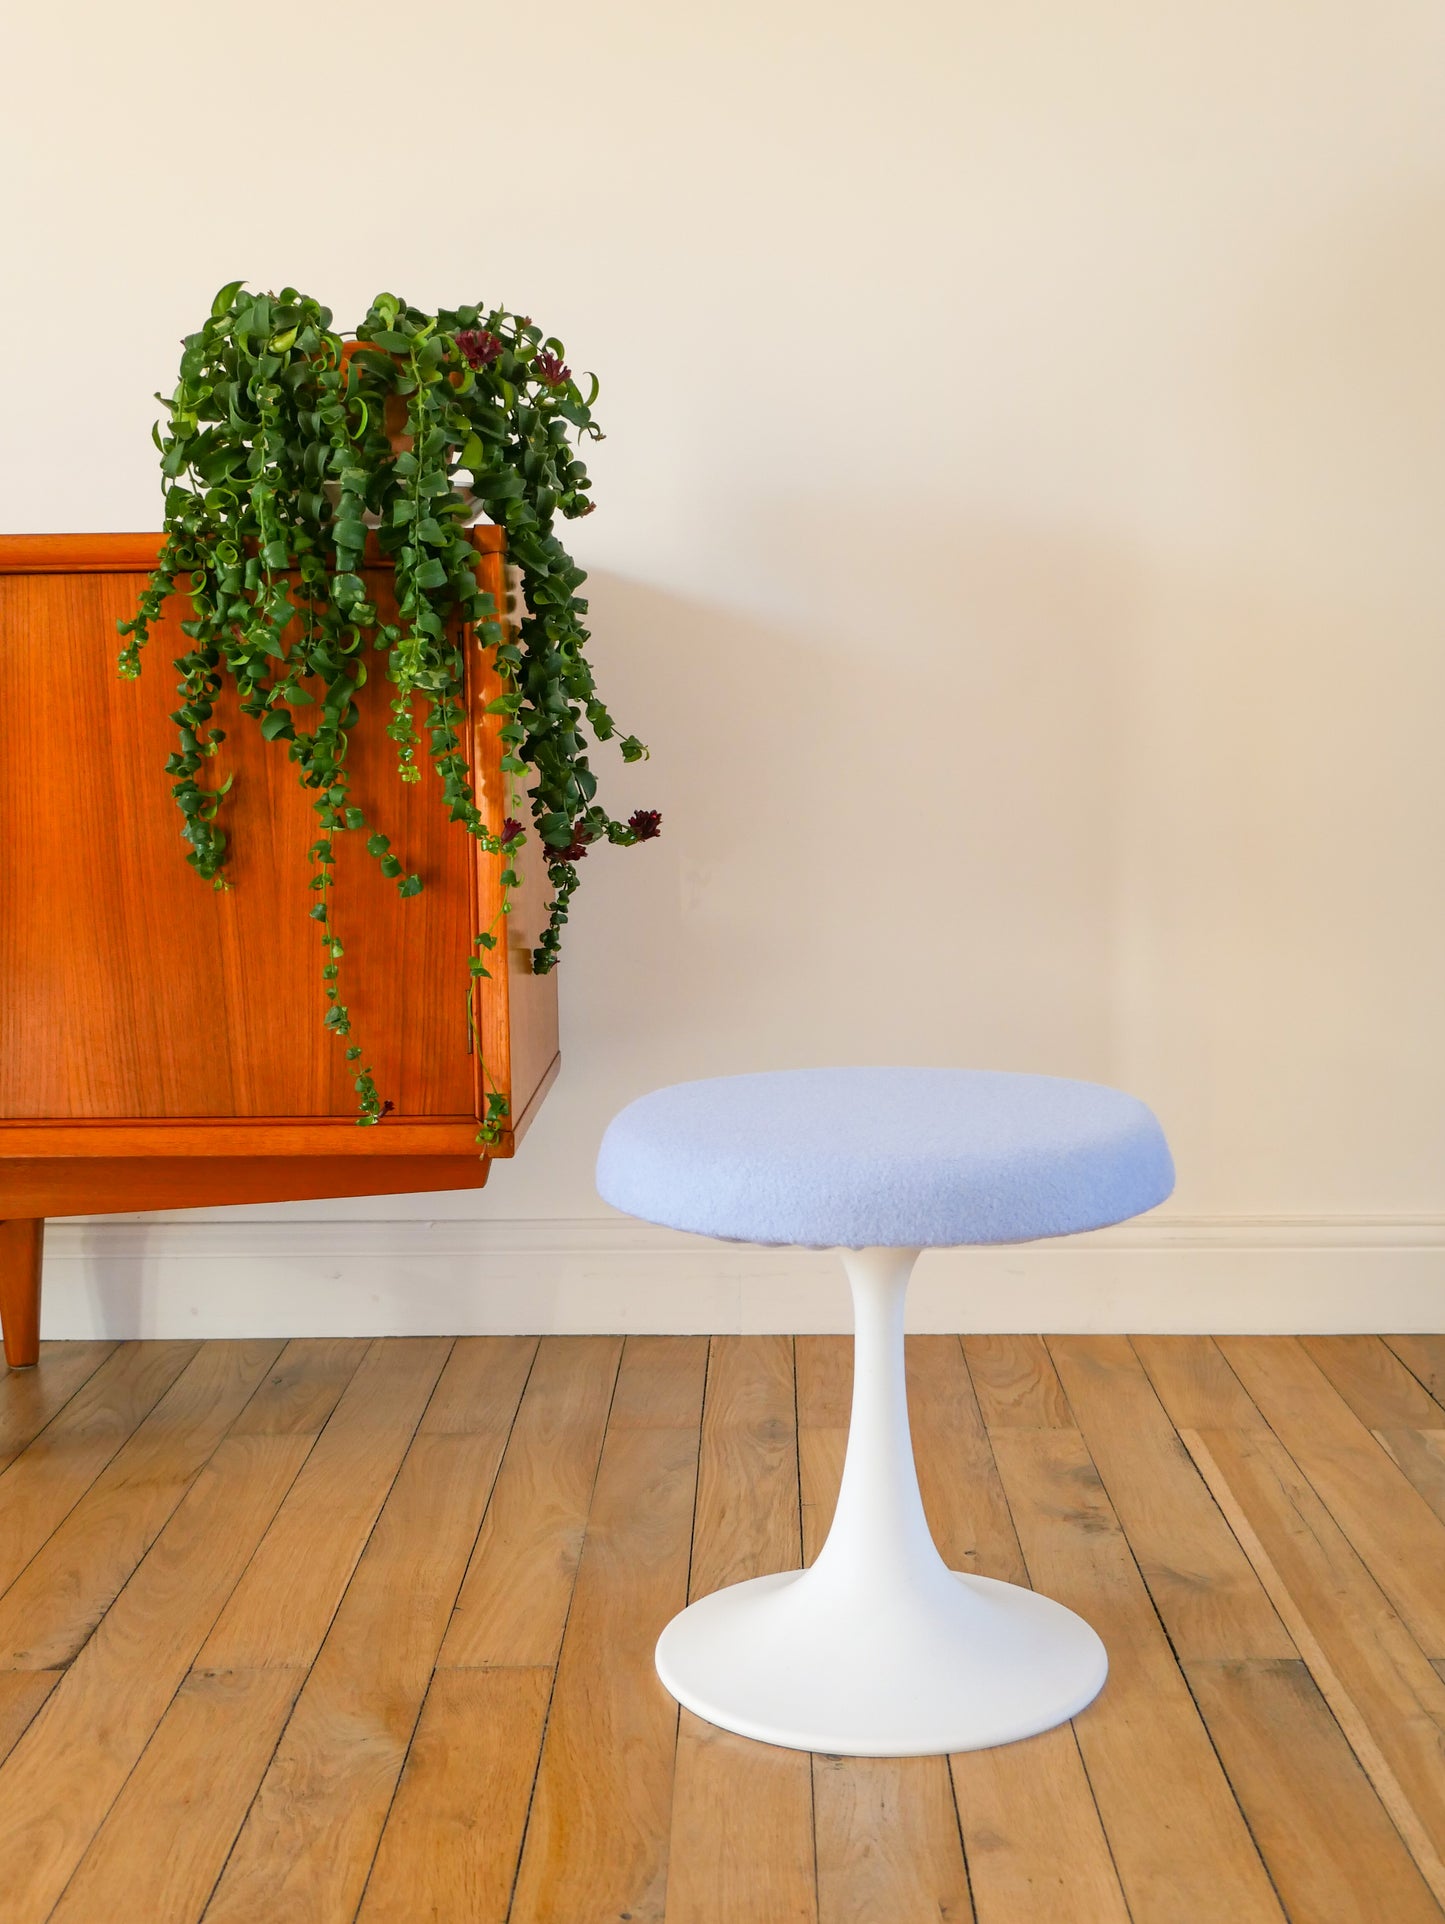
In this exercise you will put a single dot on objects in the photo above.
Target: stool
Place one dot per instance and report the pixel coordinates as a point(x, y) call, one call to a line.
point(878, 1649)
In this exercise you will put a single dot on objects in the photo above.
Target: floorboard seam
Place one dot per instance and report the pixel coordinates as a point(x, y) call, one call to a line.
point(687, 1599)
point(1320, 1670)
point(59, 1409)
point(1372, 1760)
point(431, 1675)
point(185, 1677)
point(466, 1565)
point(1344, 1530)
point(1169, 1644)
point(330, 1621)
point(1008, 1512)
point(802, 1564)
point(81, 1495)
point(566, 1619)
point(1405, 1364)
point(1387, 1747)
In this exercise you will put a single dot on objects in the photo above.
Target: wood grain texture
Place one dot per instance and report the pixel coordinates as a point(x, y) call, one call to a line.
point(749, 1442)
point(83, 1185)
point(250, 1138)
point(1016, 1384)
point(1183, 1852)
point(22, 1243)
point(1382, 1689)
point(518, 1586)
point(261, 1725)
point(51, 1608)
point(742, 1814)
point(60, 1779)
point(66, 554)
point(22, 1692)
point(597, 1839)
point(302, 1387)
point(660, 1383)
point(1379, 1510)
point(88, 1033)
point(824, 1366)
point(1378, 1387)
point(1031, 1831)
point(741, 1842)
point(39, 554)
point(825, 1381)
point(1327, 1839)
point(1034, 1838)
point(449, 1852)
point(516, 1010)
point(168, 1833)
point(95, 1067)
point(1421, 1456)
point(306, 1847)
point(888, 1842)
point(478, 1392)
point(820, 1475)
point(48, 1479)
point(1195, 1384)
point(1200, 1579)
point(30, 1398)
point(1424, 1357)
point(963, 1498)
point(279, 1612)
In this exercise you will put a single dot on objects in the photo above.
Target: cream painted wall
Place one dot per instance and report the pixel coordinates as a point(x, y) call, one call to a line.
point(1020, 531)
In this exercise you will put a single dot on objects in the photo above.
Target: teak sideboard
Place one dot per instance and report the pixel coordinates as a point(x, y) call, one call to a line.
point(161, 1043)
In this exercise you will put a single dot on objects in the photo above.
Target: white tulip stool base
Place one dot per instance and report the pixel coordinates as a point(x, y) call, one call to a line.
point(774, 1660)
point(880, 1650)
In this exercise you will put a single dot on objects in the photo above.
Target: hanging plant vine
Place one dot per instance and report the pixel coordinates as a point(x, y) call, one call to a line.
point(285, 447)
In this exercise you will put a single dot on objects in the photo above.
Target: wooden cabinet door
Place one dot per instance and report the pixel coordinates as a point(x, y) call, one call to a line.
point(132, 994)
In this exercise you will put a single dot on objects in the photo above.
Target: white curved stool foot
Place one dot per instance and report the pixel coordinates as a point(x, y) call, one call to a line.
point(879, 1650)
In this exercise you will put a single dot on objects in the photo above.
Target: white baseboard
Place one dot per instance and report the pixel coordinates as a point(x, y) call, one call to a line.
point(1216, 1274)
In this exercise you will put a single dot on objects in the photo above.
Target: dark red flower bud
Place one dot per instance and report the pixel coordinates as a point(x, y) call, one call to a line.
point(478, 347)
point(574, 851)
point(551, 369)
point(511, 829)
point(645, 823)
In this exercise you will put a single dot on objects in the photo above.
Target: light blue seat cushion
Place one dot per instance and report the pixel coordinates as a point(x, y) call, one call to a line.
point(862, 1158)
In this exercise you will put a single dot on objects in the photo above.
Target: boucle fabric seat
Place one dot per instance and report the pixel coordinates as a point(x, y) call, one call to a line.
point(895, 1158)
point(878, 1649)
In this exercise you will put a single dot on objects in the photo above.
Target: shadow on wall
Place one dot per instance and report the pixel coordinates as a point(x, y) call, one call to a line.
point(891, 820)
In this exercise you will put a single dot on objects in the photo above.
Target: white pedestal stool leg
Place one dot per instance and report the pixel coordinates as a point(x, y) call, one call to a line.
point(879, 1649)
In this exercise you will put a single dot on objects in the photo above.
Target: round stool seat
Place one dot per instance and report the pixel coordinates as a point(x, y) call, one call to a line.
point(885, 1158)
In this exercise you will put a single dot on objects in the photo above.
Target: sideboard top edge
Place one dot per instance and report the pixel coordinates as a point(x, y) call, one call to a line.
point(119, 554)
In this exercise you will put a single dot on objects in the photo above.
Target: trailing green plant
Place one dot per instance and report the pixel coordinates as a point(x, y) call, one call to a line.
point(284, 448)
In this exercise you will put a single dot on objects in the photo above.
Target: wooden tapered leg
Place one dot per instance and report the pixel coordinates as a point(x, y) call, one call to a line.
point(21, 1242)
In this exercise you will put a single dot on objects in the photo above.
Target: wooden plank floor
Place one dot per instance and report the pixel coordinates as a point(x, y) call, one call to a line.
point(321, 1631)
